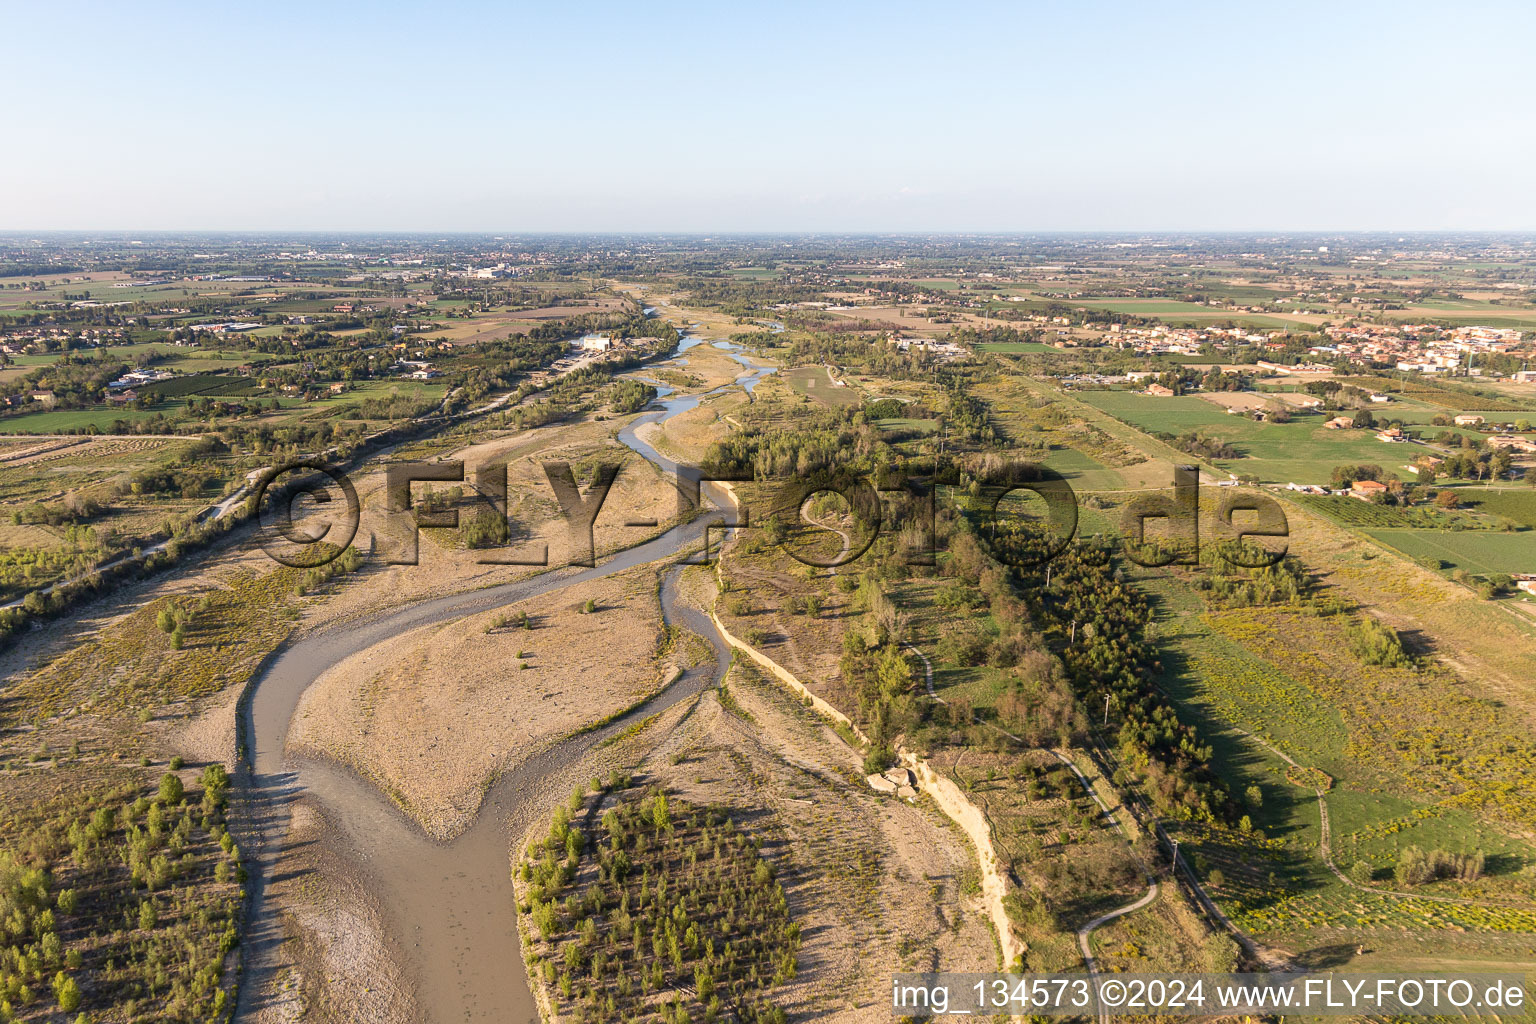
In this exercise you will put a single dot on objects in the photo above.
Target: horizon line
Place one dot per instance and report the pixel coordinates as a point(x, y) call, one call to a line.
point(776, 233)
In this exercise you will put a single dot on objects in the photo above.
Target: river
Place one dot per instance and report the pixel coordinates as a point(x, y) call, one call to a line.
point(449, 907)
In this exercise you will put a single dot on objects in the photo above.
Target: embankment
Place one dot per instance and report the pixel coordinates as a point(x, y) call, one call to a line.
point(944, 792)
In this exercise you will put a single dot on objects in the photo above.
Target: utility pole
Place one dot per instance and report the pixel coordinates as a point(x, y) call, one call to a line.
point(1106, 709)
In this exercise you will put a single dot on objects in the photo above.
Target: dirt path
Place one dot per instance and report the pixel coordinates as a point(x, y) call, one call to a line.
point(1258, 952)
point(1325, 851)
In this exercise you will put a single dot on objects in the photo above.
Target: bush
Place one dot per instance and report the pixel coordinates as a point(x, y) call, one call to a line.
point(1415, 867)
point(1374, 643)
point(67, 992)
point(878, 759)
point(171, 789)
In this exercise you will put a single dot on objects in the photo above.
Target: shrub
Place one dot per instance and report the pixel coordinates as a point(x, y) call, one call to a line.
point(878, 759)
point(67, 992)
point(1377, 644)
point(1415, 867)
point(171, 789)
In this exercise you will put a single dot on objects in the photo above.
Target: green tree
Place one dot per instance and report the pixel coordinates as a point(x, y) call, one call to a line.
point(171, 789)
point(660, 816)
point(895, 672)
point(215, 783)
point(67, 992)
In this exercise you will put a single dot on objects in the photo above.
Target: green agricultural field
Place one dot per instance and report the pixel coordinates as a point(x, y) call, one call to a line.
point(62, 421)
point(1482, 552)
point(907, 425)
point(1518, 506)
point(1363, 514)
point(814, 382)
point(363, 391)
point(1083, 471)
point(192, 384)
point(1302, 450)
point(1150, 307)
point(1016, 346)
point(1150, 413)
point(1521, 319)
point(1175, 311)
point(1263, 671)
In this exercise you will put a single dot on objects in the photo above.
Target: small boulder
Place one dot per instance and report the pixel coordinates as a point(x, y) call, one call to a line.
point(880, 784)
point(901, 776)
point(906, 792)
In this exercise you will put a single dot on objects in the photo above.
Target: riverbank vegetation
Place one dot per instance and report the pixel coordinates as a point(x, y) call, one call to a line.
point(646, 908)
point(120, 900)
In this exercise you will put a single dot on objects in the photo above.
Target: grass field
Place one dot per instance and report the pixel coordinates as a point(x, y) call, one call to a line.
point(1083, 471)
point(1175, 311)
point(1515, 505)
point(64, 420)
point(1264, 671)
point(815, 383)
point(364, 390)
point(1016, 346)
point(908, 425)
point(1482, 551)
point(1303, 450)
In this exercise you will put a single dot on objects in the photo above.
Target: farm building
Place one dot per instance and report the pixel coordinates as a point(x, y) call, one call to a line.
point(1339, 423)
point(1365, 490)
point(1468, 419)
point(1159, 391)
point(1517, 444)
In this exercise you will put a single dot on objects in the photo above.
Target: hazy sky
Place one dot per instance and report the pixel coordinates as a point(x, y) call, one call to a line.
point(775, 116)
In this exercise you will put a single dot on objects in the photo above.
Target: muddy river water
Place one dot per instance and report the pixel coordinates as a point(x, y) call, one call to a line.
point(448, 907)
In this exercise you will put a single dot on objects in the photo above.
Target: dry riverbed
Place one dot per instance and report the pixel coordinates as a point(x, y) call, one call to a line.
point(433, 715)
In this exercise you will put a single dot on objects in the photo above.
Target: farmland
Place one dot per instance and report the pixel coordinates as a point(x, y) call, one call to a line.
point(1348, 511)
point(1481, 552)
point(1302, 451)
point(818, 384)
point(743, 838)
point(1231, 668)
point(1518, 506)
